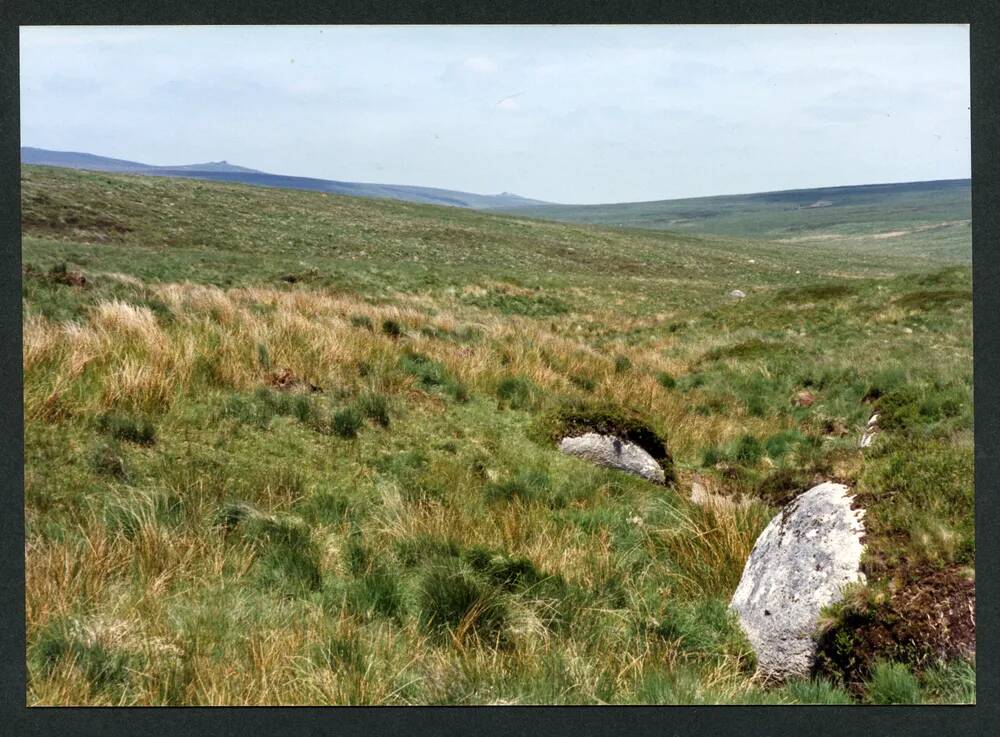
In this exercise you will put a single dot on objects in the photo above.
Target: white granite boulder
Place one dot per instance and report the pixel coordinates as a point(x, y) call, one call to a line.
point(613, 452)
point(800, 563)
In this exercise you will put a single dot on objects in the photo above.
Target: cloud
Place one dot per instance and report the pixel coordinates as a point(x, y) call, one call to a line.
point(66, 85)
point(482, 64)
point(636, 112)
point(510, 104)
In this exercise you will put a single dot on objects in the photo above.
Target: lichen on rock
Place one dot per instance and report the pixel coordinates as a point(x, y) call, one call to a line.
point(800, 564)
point(613, 452)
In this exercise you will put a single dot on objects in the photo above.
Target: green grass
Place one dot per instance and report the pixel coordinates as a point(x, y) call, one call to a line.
point(893, 683)
point(346, 422)
point(392, 522)
point(938, 210)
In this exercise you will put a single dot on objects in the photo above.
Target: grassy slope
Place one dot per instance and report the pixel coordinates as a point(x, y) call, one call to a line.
point(224, 172)
point(943, 208)
point(407, 535)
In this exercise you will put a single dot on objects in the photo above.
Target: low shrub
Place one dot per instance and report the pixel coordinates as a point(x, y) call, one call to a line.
point(123, 427)
point(918, 621)
point(392, 328)
point(933, 299)
point(362, 321)
point(346, 423)
point(375, 407)
point(432, 375)
point(622, 364)
point(919, 495)
point(528, 305)
point(748, 450)
point(747, 350)
point(516, 392)
point(816, 293)
point(782, 485)
point(666, 380)
point(917, 410)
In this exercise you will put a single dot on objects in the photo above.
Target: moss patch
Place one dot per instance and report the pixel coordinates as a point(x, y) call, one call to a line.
point(579, 418)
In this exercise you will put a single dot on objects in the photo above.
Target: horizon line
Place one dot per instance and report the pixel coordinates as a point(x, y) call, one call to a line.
point(543, 203)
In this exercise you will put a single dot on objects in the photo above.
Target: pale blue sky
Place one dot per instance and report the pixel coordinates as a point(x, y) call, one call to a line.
point(580, 114)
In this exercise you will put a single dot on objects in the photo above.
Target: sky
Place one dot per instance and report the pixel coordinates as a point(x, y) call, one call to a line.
point(572, 114)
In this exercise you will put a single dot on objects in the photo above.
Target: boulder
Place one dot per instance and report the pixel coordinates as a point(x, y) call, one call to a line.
point(737, 294)
point(613, 452)
point(800, 563)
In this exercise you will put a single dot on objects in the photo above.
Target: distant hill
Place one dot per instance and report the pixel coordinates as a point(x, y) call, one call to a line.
point(212, 166)
point(77, 160)
point(225, 172)
point(797, 213)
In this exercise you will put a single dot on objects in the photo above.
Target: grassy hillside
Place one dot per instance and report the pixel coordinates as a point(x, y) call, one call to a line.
point(222, 171)
point(939, 210)
point(287, 447)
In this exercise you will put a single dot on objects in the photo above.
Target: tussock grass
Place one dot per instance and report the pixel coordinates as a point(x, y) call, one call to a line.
point(707, 547)
point(892, 683)
point(394, 524)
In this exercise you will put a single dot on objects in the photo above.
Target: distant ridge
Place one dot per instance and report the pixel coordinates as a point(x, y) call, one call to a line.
point(792, 213)
point(837, 210)
point(225, 172)
point(78, 160)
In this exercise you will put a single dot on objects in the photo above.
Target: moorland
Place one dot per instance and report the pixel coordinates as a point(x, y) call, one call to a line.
point(287, 447)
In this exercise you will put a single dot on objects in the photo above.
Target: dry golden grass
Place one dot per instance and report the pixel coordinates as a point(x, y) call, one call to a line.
point(442, 339)
point(147, 366)
point(119, 592)
point(709, 546)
